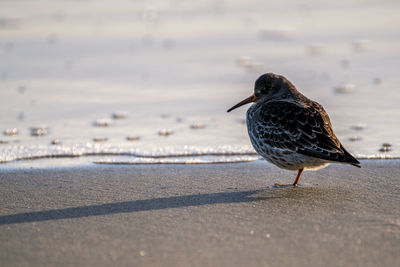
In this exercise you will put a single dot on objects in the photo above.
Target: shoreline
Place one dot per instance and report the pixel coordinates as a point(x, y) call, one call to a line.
point(92, 161)
point(200, 215)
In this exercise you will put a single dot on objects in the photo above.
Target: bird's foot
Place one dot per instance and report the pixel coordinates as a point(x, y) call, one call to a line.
point(285, 185)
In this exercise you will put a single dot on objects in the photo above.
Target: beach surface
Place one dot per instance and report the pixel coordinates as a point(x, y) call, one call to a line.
point(200, 215)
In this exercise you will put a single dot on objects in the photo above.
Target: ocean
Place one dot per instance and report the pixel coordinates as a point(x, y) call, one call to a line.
point(149, 82)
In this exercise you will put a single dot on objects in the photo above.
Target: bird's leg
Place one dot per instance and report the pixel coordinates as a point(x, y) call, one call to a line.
point(295, 182)
point(298, 177)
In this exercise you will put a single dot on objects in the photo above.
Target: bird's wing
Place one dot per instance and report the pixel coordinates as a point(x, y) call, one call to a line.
point(304, 129)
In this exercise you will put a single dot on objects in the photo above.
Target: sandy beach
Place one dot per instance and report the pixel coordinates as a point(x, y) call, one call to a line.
point(200, 215)
point(146, 85)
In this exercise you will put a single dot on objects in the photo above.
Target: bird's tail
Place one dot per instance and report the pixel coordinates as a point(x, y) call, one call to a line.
point(350, 159)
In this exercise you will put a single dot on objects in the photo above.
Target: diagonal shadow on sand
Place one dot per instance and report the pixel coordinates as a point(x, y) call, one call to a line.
point(133, 206)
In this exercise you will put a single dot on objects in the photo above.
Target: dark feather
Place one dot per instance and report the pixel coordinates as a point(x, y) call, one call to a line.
point(302, 127)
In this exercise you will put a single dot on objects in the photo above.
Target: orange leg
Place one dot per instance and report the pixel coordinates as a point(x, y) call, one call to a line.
point(298, 177)
point(295, 182)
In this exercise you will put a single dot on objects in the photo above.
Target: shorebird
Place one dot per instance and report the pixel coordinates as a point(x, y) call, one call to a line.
point(290, 130)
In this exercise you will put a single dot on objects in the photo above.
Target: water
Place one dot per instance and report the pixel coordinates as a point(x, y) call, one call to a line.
point(138, 83)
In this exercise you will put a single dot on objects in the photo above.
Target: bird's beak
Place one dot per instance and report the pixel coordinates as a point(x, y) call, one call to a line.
point(250, 99)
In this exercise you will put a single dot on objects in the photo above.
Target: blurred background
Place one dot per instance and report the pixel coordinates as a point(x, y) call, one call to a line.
point(155, 78)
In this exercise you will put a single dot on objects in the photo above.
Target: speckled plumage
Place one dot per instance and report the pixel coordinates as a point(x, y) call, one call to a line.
point(290, 130)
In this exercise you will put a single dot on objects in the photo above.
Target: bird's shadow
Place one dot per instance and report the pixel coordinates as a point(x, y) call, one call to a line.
point(134, 206)
point(272, 192)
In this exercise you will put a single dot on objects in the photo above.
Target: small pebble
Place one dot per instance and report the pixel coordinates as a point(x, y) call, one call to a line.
point(100, 139)
point(377, 81)
point(255, 67)
point(21, 116)
point(102, 122)
point(277, 33)
point(359, 126)
point(355, 138)
point(39, 130)
point(132, 138)
point(243, 61)
point(316, 49)
point(120, 115)
point(251, 232)
point(165, 116)
point(168, 43)
point(22, 89)
point(178, 119)
point(165, 132)
point(345, 88)
point(142, 253)
point(385, 149)
point(250, 66)
point(345, 63)
point(9, 23)
point(149, 14)
point(362, 45)
point(198, 125)
point(52, 38)
point(56, 142)
point(267, 235)
point(10, 131)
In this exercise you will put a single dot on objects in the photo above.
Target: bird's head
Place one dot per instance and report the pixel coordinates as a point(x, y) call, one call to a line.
point(266, 86)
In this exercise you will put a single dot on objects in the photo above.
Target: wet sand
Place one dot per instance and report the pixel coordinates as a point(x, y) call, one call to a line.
point(200, 215)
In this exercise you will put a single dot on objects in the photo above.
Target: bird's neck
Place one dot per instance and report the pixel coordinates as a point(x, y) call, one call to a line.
point(285, 93)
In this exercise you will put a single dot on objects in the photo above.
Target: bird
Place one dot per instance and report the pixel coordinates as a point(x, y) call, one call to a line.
point(290, 130)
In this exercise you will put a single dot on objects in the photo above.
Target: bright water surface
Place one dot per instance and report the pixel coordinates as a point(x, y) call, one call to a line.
point(176, 66)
